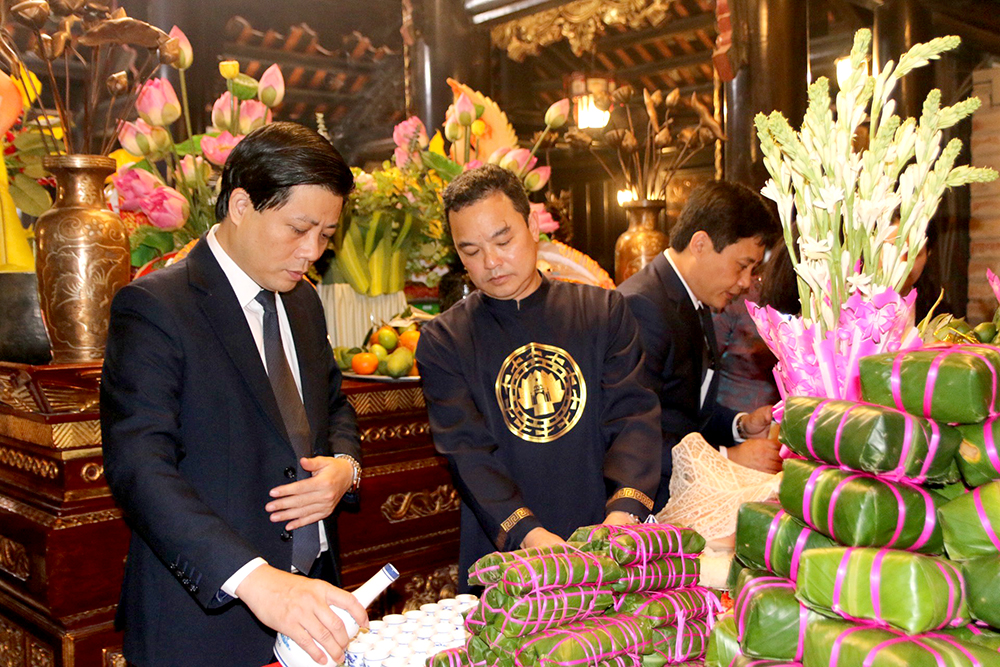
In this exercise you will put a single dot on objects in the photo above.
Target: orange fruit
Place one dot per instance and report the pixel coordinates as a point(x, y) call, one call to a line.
point(373, 339)
point(414, 371)
point(409, 339)
point(364, 363)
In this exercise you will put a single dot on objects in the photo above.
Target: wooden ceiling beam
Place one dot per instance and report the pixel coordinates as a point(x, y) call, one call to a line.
point(674, 28)
point(636, 71)
point(246, 54)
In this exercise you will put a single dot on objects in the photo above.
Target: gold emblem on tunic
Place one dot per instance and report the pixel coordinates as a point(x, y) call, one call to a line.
point(541, 392)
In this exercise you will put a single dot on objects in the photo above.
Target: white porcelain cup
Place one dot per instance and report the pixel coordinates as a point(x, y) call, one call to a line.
point(425, 632)
point(375, 627)
point(394, 619)
point(401, 652)
point(354, 656)
point(414, 615)
point(429, 621)
point(389, 633)
point(430, 608)
point(421, 646)
point(466, 598)
point(448, 603)
point(444, 627)
point(376, 656)
point(395, 661)
point(404, 638)
point(441, 641)
point(410, 627)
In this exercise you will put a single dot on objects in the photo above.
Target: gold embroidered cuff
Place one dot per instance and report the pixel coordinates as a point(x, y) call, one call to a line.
point(634, 494)
point(510, 522)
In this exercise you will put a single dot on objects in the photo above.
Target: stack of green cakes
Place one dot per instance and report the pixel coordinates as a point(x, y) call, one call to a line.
point(849, 569)
point(621, 596)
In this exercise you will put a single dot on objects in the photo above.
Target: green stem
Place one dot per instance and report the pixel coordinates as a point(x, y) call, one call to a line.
point(187, 109)
point(539, 142)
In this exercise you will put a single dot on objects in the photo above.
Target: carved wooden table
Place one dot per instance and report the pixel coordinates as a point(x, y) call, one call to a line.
point(63, 541)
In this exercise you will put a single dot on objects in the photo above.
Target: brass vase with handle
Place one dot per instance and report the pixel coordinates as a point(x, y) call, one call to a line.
point(82, 258)
point(642, 241)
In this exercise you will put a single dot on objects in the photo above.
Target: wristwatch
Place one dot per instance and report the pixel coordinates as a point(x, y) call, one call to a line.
point(356, 480)
point(740, 431)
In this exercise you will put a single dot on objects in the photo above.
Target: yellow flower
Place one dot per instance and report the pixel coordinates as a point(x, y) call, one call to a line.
point(30, 91)
point(478, 127)
point(123, 158)
point(434, 229)
point(229, 69)
point(437, 144)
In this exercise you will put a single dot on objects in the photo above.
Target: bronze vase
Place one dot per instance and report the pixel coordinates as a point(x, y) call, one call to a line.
point(642, 241)
point(82, 258)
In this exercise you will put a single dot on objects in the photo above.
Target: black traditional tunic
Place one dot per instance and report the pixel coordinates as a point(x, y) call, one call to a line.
point(538, 407)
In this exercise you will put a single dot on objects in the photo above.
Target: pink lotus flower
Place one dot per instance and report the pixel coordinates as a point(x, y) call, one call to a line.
point(186, 58)
point(217, 149)
point(994, 282)
point(140, 138)
point(537, 178)
point(472, 164)
point(271, 88)
point(134, 185)
point(157, 103)
point(556, 115)
point(401, 156)
point(519, 161)
point(410, 134)
point(166, 208)
point(546, 223)
point(465, 110)
point(224, 112)
point(193, 171)
point(253, 114)
point(498, 155)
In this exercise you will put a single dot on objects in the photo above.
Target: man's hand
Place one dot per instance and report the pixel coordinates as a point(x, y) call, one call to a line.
point(539, 537)
point(757, 453)
point(299, 607)
point(310, 500)
point(618, 518)
point(757, 423)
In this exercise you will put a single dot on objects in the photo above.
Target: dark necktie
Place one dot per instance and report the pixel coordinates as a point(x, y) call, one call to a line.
point(305, 546)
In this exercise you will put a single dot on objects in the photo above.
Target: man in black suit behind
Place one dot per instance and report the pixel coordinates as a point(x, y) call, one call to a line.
point(227, 439)
point(720, 238)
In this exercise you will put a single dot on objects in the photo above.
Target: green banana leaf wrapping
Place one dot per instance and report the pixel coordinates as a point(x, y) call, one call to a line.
point(487, 569)
point(480, 652)
point(970, 523)
point(535, 612)
point(664, 608)
point(950, 384)
point(770, 622)
point(982, 585)
point(723, 644)
point(557, 570)
point(768, 538)
point(453, 657)
point(976, 634)
point(978, 458)
point(748, 661)
point(911, 592)
point(871, 438)
point(587, 642)
point(658, 575)
point(629, 545)
point(842, 644)
point(678, 644)
point(860, 510)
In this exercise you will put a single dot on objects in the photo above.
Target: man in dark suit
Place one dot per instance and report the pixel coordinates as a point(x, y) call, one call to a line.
point(720, 238)
point(227, 439)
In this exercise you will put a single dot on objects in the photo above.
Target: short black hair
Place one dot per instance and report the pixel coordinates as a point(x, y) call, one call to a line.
point(477, 184)
point(727, 212)
point(273, 159)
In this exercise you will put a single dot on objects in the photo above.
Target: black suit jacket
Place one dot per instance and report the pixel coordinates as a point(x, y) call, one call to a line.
point(193, 443)
point(674, 344)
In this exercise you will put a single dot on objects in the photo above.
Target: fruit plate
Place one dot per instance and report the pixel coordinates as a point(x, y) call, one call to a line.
point(379, 378)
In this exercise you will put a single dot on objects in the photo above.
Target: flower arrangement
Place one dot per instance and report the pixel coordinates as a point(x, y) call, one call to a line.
point(394, 220)
point(87, 32)
point(649, 164)
point(166, 188)
point(842, 201)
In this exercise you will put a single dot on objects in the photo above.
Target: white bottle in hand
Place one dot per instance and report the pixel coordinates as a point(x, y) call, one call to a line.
point(290, 654)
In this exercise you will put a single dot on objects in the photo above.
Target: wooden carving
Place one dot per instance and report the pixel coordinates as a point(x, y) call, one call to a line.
point(422, 589)
point(419, 504)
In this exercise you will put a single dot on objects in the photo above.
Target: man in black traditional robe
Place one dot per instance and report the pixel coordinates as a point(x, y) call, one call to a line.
point(533, 386)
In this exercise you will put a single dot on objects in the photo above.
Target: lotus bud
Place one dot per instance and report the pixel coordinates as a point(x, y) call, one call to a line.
point(253, 114)
point(465, 110)
point(31, 13)
point(169, 51)
point(229, 69)
point(271, 89)
point(663, 138)
point(629, 143)
point(517, 161)
point(157, 103)
point(687, 134)
point(614, 138)
point(50, 48)
point(537, 178)
point(657, 97)
point(166, 208)
point(623, 95)
point(498, 155)
point(117, 84)
point(193, 171)
point(186, 57)
point(222, 113)
point(647, 99)
point(217, 149)
point(452, 130)
point(673, 97)
point(557, 114)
